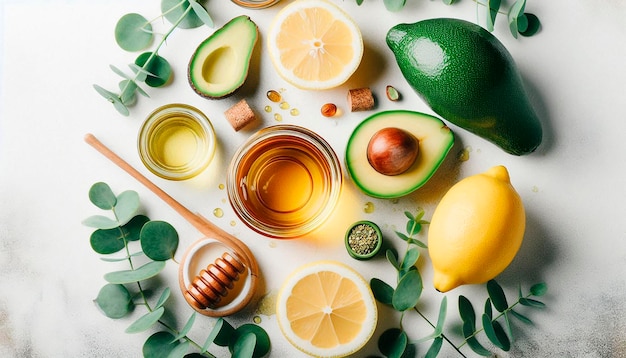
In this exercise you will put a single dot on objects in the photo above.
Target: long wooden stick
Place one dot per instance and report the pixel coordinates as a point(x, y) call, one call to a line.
point(203, 225)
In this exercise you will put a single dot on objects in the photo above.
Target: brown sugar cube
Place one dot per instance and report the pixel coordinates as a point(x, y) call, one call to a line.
point(360, 99)
point(239, 115)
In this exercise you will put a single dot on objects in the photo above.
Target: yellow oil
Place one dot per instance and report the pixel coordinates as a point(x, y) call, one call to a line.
point(177, 142)
point(285, 181)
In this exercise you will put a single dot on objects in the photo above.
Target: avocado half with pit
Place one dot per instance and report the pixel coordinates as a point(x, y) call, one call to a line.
point(392, 153)
point(220, 64)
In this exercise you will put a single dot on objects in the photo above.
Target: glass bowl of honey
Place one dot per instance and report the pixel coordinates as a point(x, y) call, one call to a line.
point(176, 142)
point(284, 181)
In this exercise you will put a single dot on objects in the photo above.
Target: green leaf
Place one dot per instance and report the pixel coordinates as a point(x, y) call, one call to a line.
point(498, 298)
point(418, 243)
point(120, 73)
point(394, 5)
point(128, 89)
point(220, 334)
point(244, 346)
point(175, 9)
point(101, 195)
point(493, 6)
point(392, 257)
point(110, 96)
point(435, 347)
point(100, 222)
point(515, 12)
point(163, 298)
point(118, 259)
point(126, 206)
point(383, 292)
point(410, 258)
point(448, 2)
point(146, 321)
point(144, 272)
point(159, 240)
point(201, 12)
point(402, 236)
point(413, 227)
point(509, 328)
point(393, 342)
point(132, 229)
point(133, 32)
point(539, 289)
point(495, 333)
point(533, 25)
point(262, 346)
point(159, 345)
point(488, 311)
point(531, 303)
point(473, 343)
point(159, 69)
point(410, 216)
point(441, 318)
point(466, 311)
point(180, 350)
point(107, 241)
point(408, 292)
point(521, 317)
point(114, 300)
point(187, 327)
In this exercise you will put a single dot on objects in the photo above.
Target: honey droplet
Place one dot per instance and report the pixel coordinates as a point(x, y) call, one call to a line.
point(278, 117)
point(369, 207)
point(268, 109)
point(294, 112)
point(274, 96)
point(256, 319)
point(535, 189)
point(464, 154)
point(329, 110)
point(272, 244)
point(224, 200)
point(221, 186)
point(233, 223)
point(284, 105)
point(218, 212)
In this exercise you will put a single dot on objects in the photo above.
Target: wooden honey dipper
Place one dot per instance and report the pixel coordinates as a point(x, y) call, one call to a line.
point(221, 274)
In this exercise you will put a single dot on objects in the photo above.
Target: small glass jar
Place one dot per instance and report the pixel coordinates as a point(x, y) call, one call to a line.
point(176, 142)
point(284, 182)
point(255, 4)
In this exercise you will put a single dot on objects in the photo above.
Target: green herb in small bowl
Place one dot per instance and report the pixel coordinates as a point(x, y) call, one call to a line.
point(363, 240)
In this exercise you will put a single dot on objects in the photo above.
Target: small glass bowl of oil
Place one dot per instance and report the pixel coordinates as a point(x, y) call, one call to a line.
point(284, 182)
point(255, 4)
point(176, 142)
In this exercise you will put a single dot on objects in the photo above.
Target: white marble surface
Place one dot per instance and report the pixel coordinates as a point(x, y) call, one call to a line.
point(573, 186)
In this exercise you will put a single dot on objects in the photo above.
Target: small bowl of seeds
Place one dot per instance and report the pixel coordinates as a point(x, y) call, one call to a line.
point(363, 240)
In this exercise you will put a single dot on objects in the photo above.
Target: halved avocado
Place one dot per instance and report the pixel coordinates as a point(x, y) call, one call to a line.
point(434, 141)
point(220, 64)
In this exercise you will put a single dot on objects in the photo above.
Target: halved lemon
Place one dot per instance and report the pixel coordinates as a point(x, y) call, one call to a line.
point(314, 44)
point(326, 309)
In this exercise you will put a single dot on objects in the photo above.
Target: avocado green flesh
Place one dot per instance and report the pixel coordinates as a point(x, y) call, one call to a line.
point(469, 78)
point(435, 141)
point(220, 64)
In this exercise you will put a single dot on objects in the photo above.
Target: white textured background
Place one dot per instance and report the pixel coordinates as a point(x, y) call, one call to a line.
point(573, 186)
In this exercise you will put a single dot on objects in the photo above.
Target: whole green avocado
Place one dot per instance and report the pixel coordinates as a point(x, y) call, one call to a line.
point(469, 78)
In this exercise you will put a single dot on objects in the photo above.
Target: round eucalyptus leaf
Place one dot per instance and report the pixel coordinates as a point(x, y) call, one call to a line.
point(393, 342)
point(146, 321)
point(114, 300)
point(100, 222)
point(221, 333)
point(262, 346)
point(133, 32)
point(126, 206)
point(533, 25)
point(159, 69)
point(408, 291)
point(175, 9)
point(132, 229)
point(128, 92)
point(394, 5)
point(159, 345)
point(144, 272)
point(382, 292)
point(107, 241)
point(159, 240)
point(101, 195)
point(410, 258)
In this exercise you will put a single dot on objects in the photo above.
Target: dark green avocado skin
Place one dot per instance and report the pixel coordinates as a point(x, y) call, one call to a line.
point(469, 78)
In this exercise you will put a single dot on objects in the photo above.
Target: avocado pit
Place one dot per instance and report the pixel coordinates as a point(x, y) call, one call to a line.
point(392, 151)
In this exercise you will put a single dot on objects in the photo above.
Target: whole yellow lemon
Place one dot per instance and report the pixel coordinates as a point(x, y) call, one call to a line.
point(476, 230)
